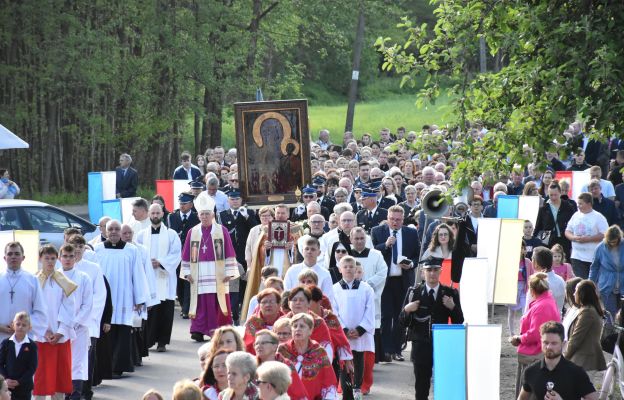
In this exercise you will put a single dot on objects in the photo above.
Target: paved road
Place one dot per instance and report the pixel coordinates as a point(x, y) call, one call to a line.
point(160, 371)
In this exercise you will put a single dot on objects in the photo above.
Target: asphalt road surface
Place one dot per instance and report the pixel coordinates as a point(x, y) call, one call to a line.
point(393, 381)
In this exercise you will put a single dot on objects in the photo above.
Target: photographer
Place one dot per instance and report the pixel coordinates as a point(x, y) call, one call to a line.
point(425, 304)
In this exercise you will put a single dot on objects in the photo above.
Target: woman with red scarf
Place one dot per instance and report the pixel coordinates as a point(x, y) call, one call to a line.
point(310, 359)
point(269, 300)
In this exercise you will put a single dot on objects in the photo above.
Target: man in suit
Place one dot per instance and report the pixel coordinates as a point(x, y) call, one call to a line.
point(400, 247)
point(238, 220)
point(181, 221)
point(321, 194)
point(187, 170)
point(371, 215)
point(428, 303)
point(127, 178)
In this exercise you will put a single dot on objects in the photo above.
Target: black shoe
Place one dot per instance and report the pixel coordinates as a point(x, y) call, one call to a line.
point(398, 357)
point(116, 375)
point(387, 358)
point(198, 337)
point(162, 349)
point(184, 316)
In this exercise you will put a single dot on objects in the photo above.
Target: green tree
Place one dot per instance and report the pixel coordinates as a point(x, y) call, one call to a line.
point(561, 60)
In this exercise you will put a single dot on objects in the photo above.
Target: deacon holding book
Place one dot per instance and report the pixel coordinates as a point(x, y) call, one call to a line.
point(208, 263)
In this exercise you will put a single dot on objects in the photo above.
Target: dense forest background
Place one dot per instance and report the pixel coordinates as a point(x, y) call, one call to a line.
point(83, 81)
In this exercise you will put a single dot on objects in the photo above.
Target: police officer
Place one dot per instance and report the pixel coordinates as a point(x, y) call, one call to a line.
point(428, 303)
point(181, 221)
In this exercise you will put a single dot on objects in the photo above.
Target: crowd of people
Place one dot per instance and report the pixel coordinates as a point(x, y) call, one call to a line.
point(357, 273)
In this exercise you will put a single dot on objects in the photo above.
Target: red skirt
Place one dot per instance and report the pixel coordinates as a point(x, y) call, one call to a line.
point(53, 374)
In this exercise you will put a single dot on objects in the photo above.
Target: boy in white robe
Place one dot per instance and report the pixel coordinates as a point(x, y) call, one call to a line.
point(20, 291)
point(93, 270)
point(83, 304)
point(355, 308)
point(53, 374)
point(165, 251)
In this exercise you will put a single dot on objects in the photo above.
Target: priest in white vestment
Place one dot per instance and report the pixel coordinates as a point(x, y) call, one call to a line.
point(20, 291)
point(165, 252)
point(208, 263)
point(121, 265)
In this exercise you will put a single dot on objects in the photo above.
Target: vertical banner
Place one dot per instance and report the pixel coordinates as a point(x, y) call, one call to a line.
point(483, 349)
point(95, 196)
point(487, 247)
point(473, 293)
point(30, 241)
point(109, 185)
point(112, 209)
point(165, 189)
point(509, 245)
point(449, 362)
point(528, 208)
point(507, 206)
point(580, 179)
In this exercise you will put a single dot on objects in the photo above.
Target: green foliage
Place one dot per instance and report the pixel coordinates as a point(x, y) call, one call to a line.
point(559, 60)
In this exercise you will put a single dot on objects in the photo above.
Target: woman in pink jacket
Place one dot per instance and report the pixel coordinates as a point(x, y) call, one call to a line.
point(542, 309)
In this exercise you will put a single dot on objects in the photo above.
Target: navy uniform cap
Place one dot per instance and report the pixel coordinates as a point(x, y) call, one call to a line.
point(307, 189)
point(234, 194)
point(185, 198)
point(197, 185)
point(369, 192)
point(319, 180)
point(431, 262)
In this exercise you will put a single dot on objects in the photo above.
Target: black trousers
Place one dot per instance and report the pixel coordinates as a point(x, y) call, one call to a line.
point(183, 291)
point(348, 382)
point(422, 360)
point(379, 349)
point(160, 323)
point(87, 387)
point(122, 348)
point(391, 302)
point(76, 393)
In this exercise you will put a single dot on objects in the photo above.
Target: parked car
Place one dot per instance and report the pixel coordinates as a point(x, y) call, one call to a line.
point(50, 221)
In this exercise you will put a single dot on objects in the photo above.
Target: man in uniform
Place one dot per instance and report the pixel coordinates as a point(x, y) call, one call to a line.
point(181, 221)
point(371, 215)
point(426, 304)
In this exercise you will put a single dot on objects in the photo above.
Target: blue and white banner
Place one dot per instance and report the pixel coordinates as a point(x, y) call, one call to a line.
point(102, 186)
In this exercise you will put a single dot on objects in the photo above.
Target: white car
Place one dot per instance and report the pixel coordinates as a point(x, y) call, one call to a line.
point(50, 221)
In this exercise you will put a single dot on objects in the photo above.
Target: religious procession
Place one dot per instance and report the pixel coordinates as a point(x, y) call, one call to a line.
point(305, 302)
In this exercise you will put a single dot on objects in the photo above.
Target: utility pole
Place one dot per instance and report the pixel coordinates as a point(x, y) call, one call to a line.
point(355, 73)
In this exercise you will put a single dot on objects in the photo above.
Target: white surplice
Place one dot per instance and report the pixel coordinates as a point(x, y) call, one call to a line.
point(375, 273)
point(150, 280)
point(83, 304)
point(98, 289)
point(164, 247)
point(27, 297)
point(122, 266)
point(291, 280)
point(356, 307)
point(59, 311)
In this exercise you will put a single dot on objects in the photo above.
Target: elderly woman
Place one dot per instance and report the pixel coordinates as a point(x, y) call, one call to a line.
point(299, 301)
point(282, 330)
point(241, 372)
point(215, 379)
point(269, 300)
point(310, 359)
point(341, 195)
point(266, 344)
point(584, 335)
point(607, 269)
point(273, 381)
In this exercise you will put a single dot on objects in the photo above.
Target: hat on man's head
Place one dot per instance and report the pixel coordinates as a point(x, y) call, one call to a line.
point(309, 189)
point(185, 197)
point(197, 184)
point(431, 262)
point(203, 202)
point(319, 180)
point(375, 184)
point(367, 191)
point(234, 194)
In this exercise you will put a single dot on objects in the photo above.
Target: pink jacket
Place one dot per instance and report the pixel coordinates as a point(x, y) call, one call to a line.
point(542, 309)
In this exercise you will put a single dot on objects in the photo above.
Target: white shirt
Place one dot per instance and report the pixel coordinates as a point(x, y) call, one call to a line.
point(435, 290)
point(395, 270)
point(18, 344)
point(324, 279)
point(606, 187)
point(586, 224)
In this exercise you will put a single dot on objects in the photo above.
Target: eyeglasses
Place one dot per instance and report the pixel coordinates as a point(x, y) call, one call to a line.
point(258, 382)
point(308, 196)
point(343, 251)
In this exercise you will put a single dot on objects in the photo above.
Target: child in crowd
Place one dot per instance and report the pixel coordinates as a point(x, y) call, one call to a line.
point(18, 359)
point(560, 266)
point(355, 308)
point(525, 269)
point(266, 272)
point(53, 376)
point(530, 241)
point(152, 394)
